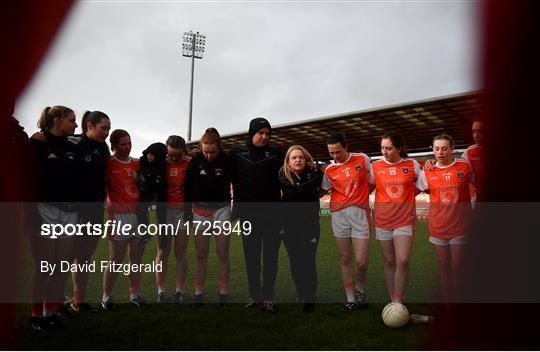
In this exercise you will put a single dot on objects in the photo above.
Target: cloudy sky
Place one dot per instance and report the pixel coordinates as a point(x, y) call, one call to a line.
point(286, 61)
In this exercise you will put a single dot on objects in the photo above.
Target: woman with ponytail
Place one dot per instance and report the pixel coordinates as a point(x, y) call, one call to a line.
point(394, 177)
point(58, 173)
point(94, 154)
point(208, 198)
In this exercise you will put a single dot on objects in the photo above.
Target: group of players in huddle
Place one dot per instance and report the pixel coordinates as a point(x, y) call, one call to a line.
point(278, 195)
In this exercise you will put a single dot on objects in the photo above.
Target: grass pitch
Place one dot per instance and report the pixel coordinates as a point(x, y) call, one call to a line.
point(182, 327)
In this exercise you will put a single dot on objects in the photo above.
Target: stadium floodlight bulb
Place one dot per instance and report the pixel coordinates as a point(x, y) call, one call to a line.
point(193, 45)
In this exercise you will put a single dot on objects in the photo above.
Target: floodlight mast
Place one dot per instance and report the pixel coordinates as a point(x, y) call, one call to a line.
point(193, 47)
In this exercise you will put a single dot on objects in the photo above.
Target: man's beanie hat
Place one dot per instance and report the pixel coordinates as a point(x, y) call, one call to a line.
point(256, 125)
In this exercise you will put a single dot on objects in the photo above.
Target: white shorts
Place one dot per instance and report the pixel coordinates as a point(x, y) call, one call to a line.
point(175, 216)
point(51, 214)
point(121, 220)
point(351, 222)
point(386, 235)
point(454, 240)
point(221, 215)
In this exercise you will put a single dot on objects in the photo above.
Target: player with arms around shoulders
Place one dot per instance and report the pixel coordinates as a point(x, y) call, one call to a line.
point(58, 172)
point(152, 184)
point(94, 155)
point(122, 198)
point(347, 179)
point(475, 155)
point(208, 201)
point(449, 209)
point(395, 178)
point(175, 178)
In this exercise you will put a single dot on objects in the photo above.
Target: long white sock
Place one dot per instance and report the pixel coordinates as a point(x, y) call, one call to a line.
point(349, 291)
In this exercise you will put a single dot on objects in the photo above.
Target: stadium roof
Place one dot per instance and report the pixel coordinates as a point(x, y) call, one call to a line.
point(417, 121)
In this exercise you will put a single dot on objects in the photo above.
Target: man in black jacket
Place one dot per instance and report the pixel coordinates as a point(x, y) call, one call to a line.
point(256, 195)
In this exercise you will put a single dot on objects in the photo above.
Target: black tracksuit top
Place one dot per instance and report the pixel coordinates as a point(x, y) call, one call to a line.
point(58, 171)
point(255, 176)
point(208, 184)
point(93, 157)
point(301, 204)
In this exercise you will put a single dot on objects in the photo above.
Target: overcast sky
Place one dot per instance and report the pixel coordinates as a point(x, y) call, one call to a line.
point(286, 61)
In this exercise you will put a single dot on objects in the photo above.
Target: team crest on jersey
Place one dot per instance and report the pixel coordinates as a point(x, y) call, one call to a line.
point(267, 154)
point(449, 195)
point(358, 167)
point(173, 172)
point(405, 169)
point(218, 172)
point(394, 190)
point(131, 190)
point(460, 174)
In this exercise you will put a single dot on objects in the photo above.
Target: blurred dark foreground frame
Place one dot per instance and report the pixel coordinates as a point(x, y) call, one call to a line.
point(505, 262)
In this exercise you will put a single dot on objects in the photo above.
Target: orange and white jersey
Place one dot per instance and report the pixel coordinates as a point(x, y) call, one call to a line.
point(395, 192)
point(450, 202)
point(176, 180)
point(348, 182)
point(475, 155)
point(121, 185)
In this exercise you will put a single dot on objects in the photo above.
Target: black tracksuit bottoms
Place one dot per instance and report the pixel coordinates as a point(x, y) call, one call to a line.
point(302, 251)
point(261, 249)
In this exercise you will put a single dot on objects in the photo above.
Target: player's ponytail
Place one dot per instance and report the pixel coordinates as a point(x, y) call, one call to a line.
point(48, 115)
point(94, 117)
point(42, 122)
point(211, 136)
point(84, 122)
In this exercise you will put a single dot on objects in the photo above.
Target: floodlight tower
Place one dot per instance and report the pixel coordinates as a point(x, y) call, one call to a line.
point(193, 47)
